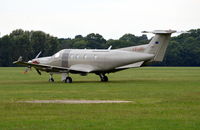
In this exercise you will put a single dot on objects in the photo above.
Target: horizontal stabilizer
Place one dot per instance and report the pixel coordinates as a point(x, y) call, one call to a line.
point(160, 31)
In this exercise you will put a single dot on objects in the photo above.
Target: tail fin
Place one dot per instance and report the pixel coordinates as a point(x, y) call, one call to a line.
point(158, 44)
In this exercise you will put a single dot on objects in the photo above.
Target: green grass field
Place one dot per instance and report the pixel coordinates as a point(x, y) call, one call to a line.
point(163, 98)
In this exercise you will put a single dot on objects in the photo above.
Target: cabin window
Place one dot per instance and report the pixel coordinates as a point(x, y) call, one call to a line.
point(85, 56)
point(95, 57)
point(77, 56)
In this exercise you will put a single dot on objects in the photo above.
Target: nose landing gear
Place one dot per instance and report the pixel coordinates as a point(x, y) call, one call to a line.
point(51, 78)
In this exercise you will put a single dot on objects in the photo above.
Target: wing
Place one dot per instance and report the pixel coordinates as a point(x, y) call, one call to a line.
point(83, 68)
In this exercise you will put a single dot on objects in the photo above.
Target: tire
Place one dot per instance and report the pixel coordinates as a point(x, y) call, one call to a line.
point(51, 80)
point(104, 79)
point(68, 80)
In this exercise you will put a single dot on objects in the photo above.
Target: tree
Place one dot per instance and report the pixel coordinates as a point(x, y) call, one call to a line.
point(95, 41)
point(183, 50)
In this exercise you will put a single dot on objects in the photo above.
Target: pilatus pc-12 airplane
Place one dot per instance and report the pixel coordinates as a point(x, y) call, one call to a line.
point(100, 61)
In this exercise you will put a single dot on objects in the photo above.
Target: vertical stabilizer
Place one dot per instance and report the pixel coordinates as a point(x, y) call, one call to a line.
point(159, 43)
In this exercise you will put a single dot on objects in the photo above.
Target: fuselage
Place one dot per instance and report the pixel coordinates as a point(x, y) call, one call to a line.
point(102, 60)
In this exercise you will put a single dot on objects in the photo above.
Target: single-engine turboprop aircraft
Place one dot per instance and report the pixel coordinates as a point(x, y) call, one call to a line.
point(100, 61)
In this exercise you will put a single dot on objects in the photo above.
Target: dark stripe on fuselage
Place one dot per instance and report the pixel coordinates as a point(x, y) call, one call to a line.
point(65, 57)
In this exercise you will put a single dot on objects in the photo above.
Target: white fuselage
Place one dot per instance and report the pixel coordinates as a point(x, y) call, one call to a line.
point(103, 60)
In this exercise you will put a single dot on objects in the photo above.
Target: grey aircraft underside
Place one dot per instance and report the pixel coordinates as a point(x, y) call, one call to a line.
point(100, 61)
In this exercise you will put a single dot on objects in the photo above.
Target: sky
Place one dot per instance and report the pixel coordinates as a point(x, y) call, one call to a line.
point(110, 18)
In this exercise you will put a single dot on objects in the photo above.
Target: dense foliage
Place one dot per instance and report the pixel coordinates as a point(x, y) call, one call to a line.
point(183, 50)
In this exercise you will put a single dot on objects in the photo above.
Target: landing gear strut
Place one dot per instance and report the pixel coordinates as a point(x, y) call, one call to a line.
point(51, 78)
point(103, 77)
point(66, 78)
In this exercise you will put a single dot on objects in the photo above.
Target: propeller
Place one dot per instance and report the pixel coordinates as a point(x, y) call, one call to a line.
point(28, 68)
point(38, 71)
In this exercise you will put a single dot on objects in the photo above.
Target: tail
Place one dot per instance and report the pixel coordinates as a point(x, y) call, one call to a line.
point(158, 44)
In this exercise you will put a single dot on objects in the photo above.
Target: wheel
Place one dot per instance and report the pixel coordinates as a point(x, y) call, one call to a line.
point(104, 79)
point(68, 80)
point(51, 80)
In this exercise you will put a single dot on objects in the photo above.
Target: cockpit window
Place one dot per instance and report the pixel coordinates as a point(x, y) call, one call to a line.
point(58, 54)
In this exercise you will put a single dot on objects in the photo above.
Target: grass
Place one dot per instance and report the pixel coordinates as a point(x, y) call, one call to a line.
point(163, 98)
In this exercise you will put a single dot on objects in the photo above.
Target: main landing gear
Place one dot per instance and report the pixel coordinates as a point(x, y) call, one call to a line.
point(68, 80)
point(103, 78)
point(65, 78)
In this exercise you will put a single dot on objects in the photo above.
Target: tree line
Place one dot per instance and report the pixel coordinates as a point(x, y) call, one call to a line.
point(183, 50)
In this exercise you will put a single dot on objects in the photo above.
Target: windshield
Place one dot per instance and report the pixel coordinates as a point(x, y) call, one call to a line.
point(58, 54)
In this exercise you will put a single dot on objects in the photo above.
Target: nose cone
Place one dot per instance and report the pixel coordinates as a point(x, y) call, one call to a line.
point(30, 61)
point(43, 60)
point(34, 61)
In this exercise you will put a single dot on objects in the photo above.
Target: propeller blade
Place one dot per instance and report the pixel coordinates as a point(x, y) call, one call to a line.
point(38, 71)
point(38, 54)
point(28, 68)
